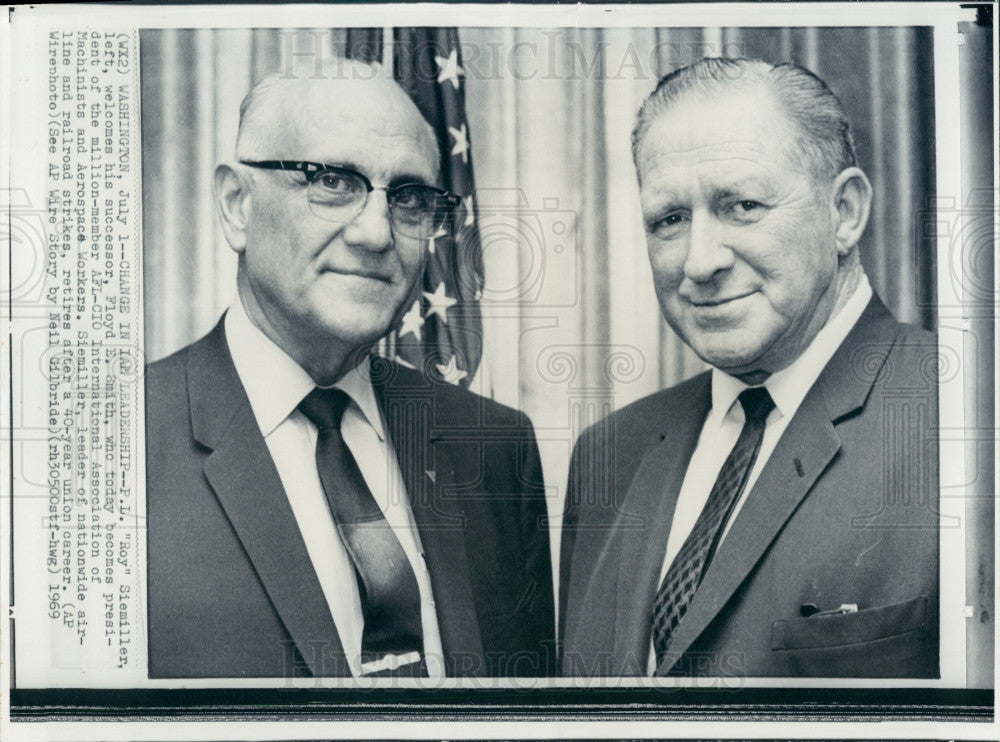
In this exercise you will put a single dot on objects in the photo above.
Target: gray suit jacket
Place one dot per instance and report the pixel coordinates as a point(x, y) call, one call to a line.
point(232, 591)
point(844, 512)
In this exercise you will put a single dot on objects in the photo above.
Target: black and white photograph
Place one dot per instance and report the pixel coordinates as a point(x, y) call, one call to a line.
point(385, 363)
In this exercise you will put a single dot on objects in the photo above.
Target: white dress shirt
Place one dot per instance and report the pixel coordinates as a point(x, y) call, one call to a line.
point(722, 427)
point(275, 384)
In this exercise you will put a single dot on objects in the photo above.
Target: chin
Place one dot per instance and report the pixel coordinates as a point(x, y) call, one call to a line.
point(730, 358)
point(356, 327)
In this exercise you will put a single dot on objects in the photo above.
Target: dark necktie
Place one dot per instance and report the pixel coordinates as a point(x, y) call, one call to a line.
point(390, 599)
point(689, 566)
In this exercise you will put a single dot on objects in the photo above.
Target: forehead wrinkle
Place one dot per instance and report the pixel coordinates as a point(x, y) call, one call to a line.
point(392, 158)
point(693, 154)
point(715, 174)
point(751, 120)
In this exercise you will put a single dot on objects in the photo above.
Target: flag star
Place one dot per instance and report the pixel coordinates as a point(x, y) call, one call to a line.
point(470, 210)
point(450, 69)
point(450, 372)
point(437, 235)
point(412, 321)
point(440, 302)
point(461, 137)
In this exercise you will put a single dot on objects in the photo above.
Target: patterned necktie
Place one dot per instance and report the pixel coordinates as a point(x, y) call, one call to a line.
point(390, 598)
point(690, 564)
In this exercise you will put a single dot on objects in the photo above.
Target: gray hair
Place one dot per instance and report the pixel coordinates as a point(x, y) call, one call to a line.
point(823, 145)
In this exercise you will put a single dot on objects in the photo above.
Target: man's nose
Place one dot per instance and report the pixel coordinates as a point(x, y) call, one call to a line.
point(708, 254)
point(371, 229)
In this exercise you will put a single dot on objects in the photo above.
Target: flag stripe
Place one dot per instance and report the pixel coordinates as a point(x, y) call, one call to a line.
point(427, 63)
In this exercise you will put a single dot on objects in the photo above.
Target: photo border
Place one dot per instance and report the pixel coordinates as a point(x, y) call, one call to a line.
point(493, 704)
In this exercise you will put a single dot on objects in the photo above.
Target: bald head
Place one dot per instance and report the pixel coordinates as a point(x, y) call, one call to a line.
point(288, 112)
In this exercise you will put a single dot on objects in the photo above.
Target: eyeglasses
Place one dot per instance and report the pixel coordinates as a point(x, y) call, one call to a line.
point(338, 194)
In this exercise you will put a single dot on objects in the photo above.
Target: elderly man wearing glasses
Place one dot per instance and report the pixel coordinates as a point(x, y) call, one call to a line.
point(314, 510)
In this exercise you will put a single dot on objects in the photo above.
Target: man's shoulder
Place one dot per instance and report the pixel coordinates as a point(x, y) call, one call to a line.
point(913, 336)
point(168, 380)
point(909, 351)
point(686, 398)
point(169, 424)
point(879, 330)
point(169, 369)
point(452, 405)
point(171, 372)
point(166, 384)
point(916, 360)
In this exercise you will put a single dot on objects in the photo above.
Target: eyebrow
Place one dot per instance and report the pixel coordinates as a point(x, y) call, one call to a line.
point(409, 178)
point(737, 188)
point(661, 208)
point(667, 200)
point(401, 179)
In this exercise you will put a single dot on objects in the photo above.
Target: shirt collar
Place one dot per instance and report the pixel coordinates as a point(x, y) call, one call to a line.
point(358, 385)
point(275, 383)
point(789, 386)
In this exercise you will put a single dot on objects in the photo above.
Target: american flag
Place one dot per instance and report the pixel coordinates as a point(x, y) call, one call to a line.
point(441, 331)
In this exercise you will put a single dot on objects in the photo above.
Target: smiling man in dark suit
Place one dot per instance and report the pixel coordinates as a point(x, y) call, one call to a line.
point(313, 510)
point(776, 515)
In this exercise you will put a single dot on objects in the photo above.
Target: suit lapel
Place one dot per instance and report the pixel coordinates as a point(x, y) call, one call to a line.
point(245, 481)
point(811, 440)
point(407, 402)
point(644, 526)
point(810, 437)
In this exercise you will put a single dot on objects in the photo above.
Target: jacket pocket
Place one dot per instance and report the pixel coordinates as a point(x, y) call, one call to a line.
point(890, 641)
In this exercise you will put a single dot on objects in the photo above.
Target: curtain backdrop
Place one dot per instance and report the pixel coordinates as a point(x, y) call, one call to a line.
point(572, 329)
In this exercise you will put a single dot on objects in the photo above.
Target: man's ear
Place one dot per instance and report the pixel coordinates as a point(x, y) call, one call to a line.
point(232, 199)
point(852, 200)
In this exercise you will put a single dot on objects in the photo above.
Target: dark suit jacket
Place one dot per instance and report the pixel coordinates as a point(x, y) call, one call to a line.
point(844, 512)
point(232, 591)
